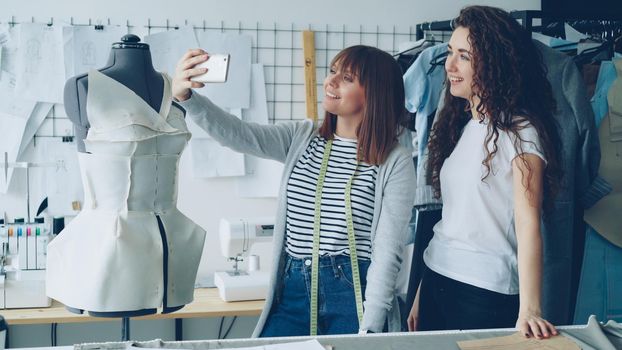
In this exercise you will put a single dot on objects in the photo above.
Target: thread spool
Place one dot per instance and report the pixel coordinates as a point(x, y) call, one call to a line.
point(253, 263)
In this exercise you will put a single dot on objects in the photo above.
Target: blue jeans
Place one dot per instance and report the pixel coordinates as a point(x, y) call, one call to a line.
point(290, 315)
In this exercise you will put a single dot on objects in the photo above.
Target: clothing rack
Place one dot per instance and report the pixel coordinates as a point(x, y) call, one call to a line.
point(586, 22)
point(525, 17)
point(429, 26)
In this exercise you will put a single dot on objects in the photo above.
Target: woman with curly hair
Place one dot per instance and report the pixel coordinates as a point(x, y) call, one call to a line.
point(493, 157)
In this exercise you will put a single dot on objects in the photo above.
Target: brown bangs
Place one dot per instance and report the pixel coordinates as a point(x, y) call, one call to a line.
point(381, 78)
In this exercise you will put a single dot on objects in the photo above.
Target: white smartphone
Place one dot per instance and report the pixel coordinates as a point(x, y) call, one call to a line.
point(217, 69)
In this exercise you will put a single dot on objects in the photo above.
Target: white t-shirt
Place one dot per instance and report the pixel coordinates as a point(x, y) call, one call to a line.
point(475, 241)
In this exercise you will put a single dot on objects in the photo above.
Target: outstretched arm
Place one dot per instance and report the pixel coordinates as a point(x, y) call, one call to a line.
point(266, 141)
point(527, 186)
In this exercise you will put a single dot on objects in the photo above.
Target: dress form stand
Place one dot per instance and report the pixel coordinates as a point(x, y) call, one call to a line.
point(130, 65)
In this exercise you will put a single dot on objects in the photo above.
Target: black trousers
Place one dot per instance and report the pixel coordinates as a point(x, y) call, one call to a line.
point(423, 234)
point(446, 304)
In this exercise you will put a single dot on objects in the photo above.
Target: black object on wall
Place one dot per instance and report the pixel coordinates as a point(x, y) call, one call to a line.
point(583, 9)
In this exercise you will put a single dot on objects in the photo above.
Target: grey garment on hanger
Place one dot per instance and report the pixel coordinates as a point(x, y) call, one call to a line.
point(580, 156)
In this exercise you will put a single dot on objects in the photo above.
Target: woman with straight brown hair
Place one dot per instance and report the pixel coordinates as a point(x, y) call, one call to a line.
point(344, 201)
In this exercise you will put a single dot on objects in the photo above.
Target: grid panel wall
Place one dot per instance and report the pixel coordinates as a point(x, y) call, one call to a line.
point(277, 46)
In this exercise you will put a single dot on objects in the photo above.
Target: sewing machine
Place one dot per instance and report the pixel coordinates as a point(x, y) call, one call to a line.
point(237, 235)
point(23, 249)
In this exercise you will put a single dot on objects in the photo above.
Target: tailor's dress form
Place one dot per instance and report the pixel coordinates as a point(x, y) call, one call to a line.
point(111, 257)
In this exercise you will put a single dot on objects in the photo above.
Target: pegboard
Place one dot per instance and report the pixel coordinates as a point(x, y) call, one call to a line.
point(277, 46)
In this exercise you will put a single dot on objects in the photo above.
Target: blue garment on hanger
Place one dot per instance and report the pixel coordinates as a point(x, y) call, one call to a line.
point(600, 289)
point(423, 85)
point(423, 90)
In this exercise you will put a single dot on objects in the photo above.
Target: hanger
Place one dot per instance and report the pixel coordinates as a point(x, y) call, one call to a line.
point(417, 44)
point(438, 60)
point(430, 39)
point(591, 55)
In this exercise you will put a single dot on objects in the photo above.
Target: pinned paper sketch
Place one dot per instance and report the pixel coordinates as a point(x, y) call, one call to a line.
point(3, 37)
point(41, 67)
point(63, 184)
point(167, 47)
point(88, 48)
point(41, 110)
point(235, 93)
point(14, 116)
point(209, 158)
point(12, 129)
point(11, 102)
point(9, 47)
point(31, 112)
point(263, 176)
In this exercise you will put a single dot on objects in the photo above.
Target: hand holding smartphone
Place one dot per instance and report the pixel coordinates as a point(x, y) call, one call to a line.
point(217, 69)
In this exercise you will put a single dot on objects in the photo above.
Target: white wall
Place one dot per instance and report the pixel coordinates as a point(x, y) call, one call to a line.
point(207, 201)
point(350, 12)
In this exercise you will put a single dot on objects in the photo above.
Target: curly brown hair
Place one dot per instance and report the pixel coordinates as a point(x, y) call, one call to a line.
point(510, 81)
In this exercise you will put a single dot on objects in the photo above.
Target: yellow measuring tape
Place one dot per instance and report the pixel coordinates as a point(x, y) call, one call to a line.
point(356, 279)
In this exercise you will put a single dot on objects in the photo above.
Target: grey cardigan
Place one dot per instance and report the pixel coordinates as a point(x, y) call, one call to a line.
point(395, 191)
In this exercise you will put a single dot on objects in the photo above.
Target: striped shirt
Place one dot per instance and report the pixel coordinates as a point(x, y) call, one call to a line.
point(301, 188)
